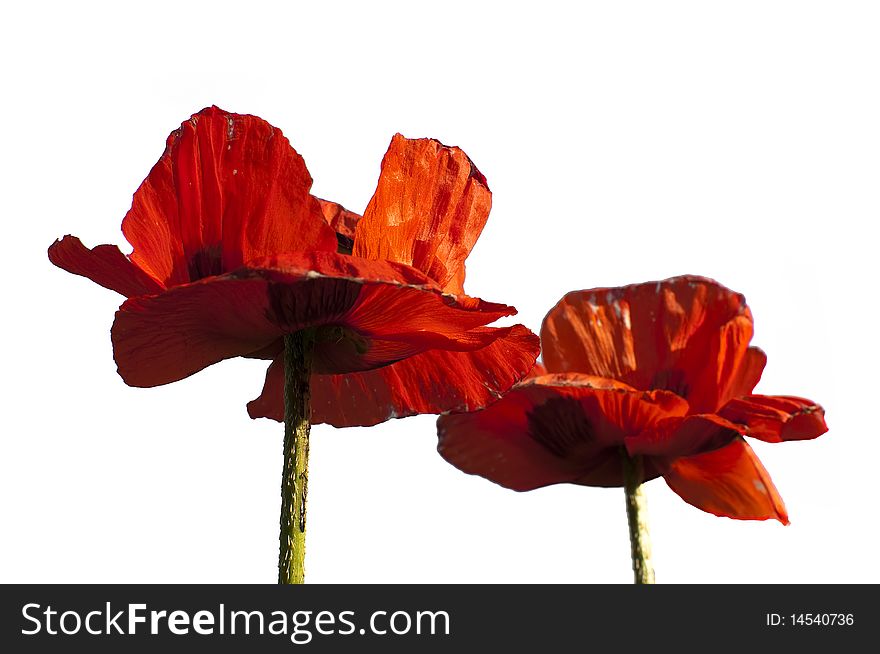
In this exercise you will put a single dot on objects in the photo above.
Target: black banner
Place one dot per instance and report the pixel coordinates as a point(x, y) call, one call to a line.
point(438, 618)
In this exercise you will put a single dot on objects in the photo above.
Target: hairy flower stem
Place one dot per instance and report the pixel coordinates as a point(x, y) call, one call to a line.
point(295, 477)
point(637, 516)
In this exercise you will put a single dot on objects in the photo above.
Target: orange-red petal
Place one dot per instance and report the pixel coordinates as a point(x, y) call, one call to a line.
point(430, 205)
point(104, 265)
point(777, 418)
point(170, 336)
point(749, 373)
point(342, 221)
point(554, 429)
point(730, 481)
point(229, 188)
point(538, 370)
point(676, 437)
point(688, 334)
point(435, 381)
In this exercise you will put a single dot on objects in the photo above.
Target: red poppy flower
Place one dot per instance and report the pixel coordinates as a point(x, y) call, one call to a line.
point(662, 371)
point(231, 252)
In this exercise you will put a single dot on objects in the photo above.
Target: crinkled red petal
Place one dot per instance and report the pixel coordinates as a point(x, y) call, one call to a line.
point(554, 429)
point(428, 210)
point(104, 265)
point(377, 312)
point(688, 334)
point(434, 381)
point(730, 481)
point(342, 221)
point(777, 418)
point(228, 189)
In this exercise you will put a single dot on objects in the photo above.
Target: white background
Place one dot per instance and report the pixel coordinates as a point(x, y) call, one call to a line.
point(623, 142)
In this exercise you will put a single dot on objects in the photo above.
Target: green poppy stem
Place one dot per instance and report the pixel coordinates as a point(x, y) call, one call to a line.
point(637, 516)
point(295, 477)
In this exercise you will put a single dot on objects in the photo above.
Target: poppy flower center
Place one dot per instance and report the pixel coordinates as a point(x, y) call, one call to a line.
point(561, 427)
point(340, 349)
point(295, 306)
point(344, 244)
point(206, 262)
point(673, 381)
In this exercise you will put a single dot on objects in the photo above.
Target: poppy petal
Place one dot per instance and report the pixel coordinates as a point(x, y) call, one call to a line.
point(170, 336)
point(730, 481)
point(709, 366)
point(381, 300)
point(342, 221)
point(686, 334)
point(538, 370)
point(777, 418)
point(418, 384)
point(270, 403)
point(104, 265)
point(749, 373)
point(228, 188)
point(164, 338)
point(683, 436)
point(554, 429)
point(430, 205)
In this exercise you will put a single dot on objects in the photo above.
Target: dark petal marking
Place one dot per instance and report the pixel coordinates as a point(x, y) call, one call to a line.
point(207, 262)
point(560, 426)
point(671, 380)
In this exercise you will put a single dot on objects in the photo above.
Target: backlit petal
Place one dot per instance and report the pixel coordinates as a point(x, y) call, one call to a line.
point(428, 210)
point(538, 370)
point(687, 334)
point(342, 221)
point(730, 481)
point(749, 373)
point(228, 189)
point(104, 265)
point(777, 418)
